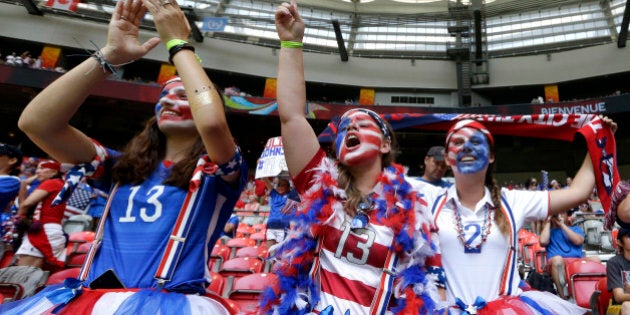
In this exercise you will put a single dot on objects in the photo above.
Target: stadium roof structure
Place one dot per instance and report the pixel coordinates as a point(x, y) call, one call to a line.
point(474, 30)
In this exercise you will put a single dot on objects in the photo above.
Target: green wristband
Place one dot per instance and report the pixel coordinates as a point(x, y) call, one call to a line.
point(290, 44)
point(174, 42)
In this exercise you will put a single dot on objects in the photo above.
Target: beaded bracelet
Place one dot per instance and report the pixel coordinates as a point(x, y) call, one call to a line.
point(105, 65)
point(290, 44)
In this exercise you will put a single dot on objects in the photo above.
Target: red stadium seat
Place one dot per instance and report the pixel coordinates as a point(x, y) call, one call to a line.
point(11, 291)
point(600, 298)
point(259, 237)
point(583, 275)
point(253, 251)
point(540, 257)
point(7, 258)
point(614, 233)
point(59, 276)
point(85, 236)
point(227, 303)
point(220, 253)
point(76, 260)
point(77, 238)
point(247, 290)
point(218, 283)
point(239, 242)
point(260, 227)
point(241, 266)
point(528, 252)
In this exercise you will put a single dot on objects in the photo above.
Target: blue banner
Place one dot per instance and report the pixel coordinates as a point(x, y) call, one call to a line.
point(214, 24)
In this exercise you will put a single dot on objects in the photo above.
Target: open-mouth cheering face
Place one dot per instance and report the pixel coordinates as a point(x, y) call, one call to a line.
point(468, 149)
point(359, 138)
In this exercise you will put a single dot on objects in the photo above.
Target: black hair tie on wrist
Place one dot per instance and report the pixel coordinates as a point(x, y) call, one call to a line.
point(177, 48)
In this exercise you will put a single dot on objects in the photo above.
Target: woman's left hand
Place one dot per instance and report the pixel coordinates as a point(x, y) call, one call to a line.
point(608, 121)
point(169, 19)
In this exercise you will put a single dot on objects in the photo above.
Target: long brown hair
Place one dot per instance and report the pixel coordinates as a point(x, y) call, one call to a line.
point(345, 180)
point(146, 150)
point(495, 193)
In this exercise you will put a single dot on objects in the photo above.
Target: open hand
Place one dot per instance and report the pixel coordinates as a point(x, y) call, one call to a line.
point(169, 19)
point(122, 37)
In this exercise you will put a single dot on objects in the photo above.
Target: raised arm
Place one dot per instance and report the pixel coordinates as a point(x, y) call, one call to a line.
point(561, 200)
point(205, 102)
point(298, 137)
point(46, 118)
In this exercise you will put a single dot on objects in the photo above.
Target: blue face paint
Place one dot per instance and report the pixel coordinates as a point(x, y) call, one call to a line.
point(341, 134)
point(477, 148)
point(158, 105)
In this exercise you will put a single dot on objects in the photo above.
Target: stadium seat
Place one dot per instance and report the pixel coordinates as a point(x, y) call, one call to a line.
point(247, 290)
point(232, 307)
point(18, 282)
point(600, 297)
point(540, 257)
point(253, 251)
point(76, 260)
point(217, 285)
point(592, 231)
point(59, 276)
point(583, 275)
point(259, 237)
point(241, 266)
point(260, 227)
point(77, 223)
point(528, 252)
point(614, 238)
point(239, 242)
point(7, 258)
point(11, 291)
point(220, 253)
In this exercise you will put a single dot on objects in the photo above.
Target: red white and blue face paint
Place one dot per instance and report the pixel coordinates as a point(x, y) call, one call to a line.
point(359, 138)
point(173, 103)
point(469, 150)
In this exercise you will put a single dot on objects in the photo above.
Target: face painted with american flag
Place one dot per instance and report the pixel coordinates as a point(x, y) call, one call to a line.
point(359, 138)
point(468, 149)
point(172, 106)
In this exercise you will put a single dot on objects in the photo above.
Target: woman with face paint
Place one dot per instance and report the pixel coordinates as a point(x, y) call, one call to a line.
point(183, 167)
point(360, 238)
point(478, 223)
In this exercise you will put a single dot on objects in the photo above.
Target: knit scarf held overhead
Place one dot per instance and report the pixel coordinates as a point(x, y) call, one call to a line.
point(396, 206)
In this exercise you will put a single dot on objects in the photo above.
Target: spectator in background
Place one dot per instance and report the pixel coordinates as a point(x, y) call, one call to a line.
point(229, 230)
point(277, 222)
point(618, 272)
point(45, 241)
point(260, 189)
point(561, 241)
point(97, 206)
point(434, 168)
point(10, 183)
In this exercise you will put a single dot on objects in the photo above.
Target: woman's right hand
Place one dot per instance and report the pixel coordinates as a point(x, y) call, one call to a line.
point(170, 21)
point(289, 23)
point(122, 36)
